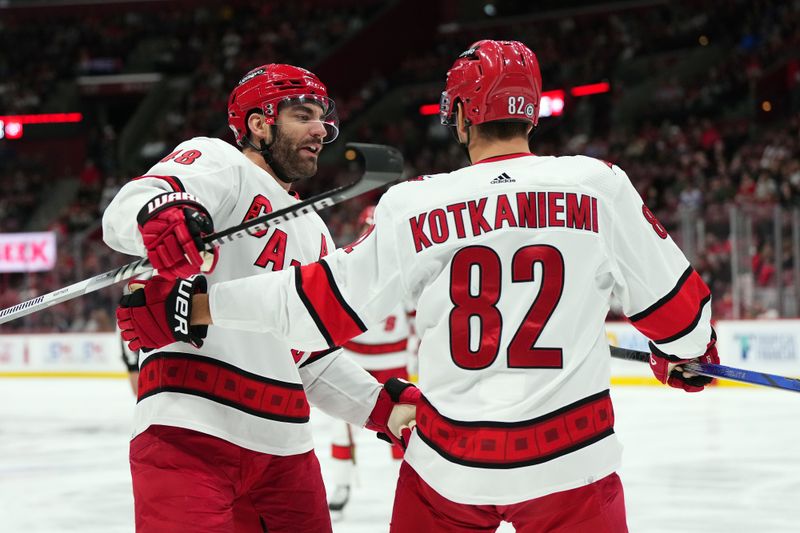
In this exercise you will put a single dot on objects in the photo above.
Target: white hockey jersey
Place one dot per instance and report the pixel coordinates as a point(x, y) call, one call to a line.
point(510, 264)
point(384, 345)
point(248, 388)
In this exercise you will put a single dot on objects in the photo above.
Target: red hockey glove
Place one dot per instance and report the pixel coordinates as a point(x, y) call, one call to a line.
point(172, 225)
point(394, 412)
point(158, 314)
point(667, 368)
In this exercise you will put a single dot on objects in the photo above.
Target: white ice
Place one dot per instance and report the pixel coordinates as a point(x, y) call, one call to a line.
point(726, 460)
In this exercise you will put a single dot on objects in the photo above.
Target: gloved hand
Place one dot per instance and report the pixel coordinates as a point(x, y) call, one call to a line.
point(667, 368)
point(157, 312)
point(172, 225)
point(394, 414)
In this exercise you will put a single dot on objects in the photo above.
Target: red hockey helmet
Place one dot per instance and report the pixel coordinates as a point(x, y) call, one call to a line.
point(494, 80)
point(367, 216)
point(268, 88)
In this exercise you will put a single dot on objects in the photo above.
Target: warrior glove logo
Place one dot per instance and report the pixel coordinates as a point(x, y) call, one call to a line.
point(170, 198)
point(165, 201)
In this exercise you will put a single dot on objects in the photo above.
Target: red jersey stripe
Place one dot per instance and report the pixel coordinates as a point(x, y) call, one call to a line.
point(376, 349)
point(517, 444)
point(677, 313)
point(503, 157)
point(316, 356)
point(223, 383)
point(334, 317)
point(172, 181)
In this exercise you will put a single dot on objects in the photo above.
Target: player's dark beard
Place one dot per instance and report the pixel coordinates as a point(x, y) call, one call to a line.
point(286, 153)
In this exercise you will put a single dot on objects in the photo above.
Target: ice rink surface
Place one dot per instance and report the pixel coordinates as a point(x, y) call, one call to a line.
point(726, 460)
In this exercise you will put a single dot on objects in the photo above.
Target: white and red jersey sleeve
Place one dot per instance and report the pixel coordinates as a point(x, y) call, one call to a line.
point(339, 387)
point(660, 292)
point(203, 167)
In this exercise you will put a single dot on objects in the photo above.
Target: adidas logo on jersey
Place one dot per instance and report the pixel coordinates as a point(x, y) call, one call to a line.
point(503, 178)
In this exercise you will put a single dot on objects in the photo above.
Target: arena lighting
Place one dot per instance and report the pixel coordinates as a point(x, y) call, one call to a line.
point(592, 88)
point(11, 125)
point(43, 118)
point(429, 109)
point(551, 104)
point(552, 101)
point(10, 129)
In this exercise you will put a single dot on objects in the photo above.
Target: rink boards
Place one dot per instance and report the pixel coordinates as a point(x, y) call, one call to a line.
point(766, 345)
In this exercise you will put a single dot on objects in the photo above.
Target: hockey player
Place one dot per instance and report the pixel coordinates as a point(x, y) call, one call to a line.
point(130, 359)
point(383, 352)
point(511, 263)
point(221, 436)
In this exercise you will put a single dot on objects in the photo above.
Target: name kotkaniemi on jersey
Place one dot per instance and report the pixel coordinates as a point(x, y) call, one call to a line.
point(510, 264)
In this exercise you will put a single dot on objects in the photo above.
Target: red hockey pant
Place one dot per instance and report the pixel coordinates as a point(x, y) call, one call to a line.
point(595, 508)
point(184, 480)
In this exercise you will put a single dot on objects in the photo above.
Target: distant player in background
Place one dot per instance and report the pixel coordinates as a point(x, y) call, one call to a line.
point(510, 263)
point(383, 351)
point(130, 359)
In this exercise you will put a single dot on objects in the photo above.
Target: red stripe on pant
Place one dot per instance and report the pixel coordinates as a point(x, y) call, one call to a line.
point(223, 383)
point(343, 453)
point(597, 508)
point(504, 445)
point(676, 312)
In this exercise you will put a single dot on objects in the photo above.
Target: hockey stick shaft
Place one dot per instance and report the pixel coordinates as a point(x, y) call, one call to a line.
point(719, 371)
point(383, 165)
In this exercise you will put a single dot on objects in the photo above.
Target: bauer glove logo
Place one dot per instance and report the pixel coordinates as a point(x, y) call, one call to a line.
point(183, 307)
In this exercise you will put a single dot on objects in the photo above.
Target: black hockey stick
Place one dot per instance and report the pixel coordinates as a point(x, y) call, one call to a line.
point(718, 371)
point(383, 165)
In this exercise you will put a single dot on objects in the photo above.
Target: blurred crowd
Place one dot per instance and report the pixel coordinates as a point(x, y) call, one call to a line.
point(692, 154)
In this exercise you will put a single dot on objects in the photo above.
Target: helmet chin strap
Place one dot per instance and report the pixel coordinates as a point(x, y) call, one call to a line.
point(269, 159)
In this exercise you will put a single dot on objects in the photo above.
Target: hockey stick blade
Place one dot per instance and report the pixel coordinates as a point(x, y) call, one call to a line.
point(752, 377)
point(383, 165)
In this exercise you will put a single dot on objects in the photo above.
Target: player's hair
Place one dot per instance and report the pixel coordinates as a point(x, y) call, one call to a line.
point(500, 130)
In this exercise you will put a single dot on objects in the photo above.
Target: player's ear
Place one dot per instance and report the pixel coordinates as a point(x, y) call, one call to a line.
point(259, 129)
